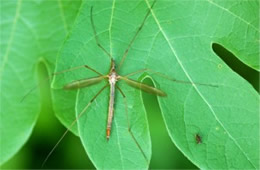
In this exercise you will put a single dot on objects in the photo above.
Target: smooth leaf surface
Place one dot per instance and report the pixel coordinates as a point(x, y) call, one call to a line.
point(176, 41)
point(31, 32)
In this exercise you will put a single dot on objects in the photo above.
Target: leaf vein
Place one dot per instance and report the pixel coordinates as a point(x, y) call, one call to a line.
point(190, 79)
point(62, 16)
point(10, 41)
point(120, 148)
point(110, 27)
point(231, 13)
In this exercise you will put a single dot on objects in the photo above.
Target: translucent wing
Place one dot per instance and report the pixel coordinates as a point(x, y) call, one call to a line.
point(144, 87)
point(83, 83)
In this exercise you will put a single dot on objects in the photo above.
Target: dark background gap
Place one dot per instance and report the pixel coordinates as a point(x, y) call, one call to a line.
point(165, 154)
point(249, 74)
point(70, 153)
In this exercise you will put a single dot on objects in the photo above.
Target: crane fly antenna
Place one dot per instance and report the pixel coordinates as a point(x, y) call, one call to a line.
point(58, 73)
point(132, 41)
point(64, 134)
point(95, 33)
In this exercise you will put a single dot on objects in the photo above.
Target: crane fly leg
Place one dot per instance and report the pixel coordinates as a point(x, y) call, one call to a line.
point(58, 73)
point(72, 124)
point(76, 68)
point(167, 77)
point(134, 38)
point(95, 34)
point(136, 72)
point(129, 126)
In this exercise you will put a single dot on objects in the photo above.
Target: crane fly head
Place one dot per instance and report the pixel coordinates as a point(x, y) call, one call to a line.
point(113, 77)
point(113, 65)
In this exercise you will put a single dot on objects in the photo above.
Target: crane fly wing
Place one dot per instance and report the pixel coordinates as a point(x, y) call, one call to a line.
point(83, 83)
point(144, 87)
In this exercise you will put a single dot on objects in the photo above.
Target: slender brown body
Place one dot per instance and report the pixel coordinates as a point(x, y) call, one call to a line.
point(112, 78)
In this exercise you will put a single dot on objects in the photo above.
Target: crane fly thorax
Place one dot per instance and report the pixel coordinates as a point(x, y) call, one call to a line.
point(112, 78)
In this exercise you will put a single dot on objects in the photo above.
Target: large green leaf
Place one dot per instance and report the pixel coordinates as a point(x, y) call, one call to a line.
point(31, 31)
point(176, 40)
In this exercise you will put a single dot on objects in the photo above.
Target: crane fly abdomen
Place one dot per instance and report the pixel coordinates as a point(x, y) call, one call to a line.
point(83, 83)
point(112, 82)
point(108, 133)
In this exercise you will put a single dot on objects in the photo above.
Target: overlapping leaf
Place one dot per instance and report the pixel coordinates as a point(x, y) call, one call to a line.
point(31, 31)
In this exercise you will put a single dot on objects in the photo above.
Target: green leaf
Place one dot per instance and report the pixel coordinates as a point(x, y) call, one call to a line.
point(31, 32)
point(214, 125)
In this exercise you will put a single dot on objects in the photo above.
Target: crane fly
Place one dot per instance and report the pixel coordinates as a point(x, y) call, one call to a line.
point(112, 78)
